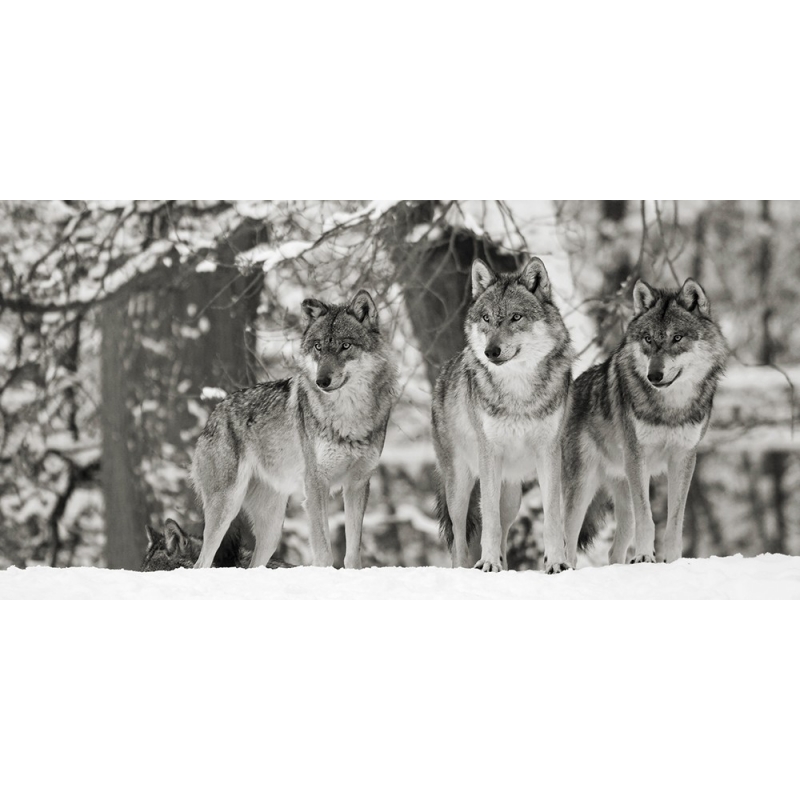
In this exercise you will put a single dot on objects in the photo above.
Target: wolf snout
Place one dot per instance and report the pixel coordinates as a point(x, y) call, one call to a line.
point(655, 376)
point(324, 381)
point(492, 352)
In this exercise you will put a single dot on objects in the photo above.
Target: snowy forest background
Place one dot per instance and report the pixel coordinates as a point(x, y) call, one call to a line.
point(122, 323)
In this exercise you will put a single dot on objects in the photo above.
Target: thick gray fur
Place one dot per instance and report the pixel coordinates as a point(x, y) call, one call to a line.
point(323, 428)
point(499, 409)
point(640, 413)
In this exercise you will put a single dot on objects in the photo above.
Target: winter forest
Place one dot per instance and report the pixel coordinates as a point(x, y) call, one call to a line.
point(123, 323)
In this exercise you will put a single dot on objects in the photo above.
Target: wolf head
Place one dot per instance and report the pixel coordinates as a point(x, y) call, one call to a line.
point(171, 549)
point(512, 317)
point(337, 339)
point(672, 337)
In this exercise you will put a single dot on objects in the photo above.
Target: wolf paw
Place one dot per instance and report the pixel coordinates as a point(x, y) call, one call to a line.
point(643, 559)
point(488, 565)
point(556, 567)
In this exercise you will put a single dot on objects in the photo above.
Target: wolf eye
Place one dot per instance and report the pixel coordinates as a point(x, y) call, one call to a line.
point(485, 317)
point(648, 339)
point(516, 318)
point(346, 345)
point(677, 337)
point(317, 346)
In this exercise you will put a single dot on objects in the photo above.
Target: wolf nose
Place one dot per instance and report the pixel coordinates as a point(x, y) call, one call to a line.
point(492, 353)
point(655, 377)
point(324, 382)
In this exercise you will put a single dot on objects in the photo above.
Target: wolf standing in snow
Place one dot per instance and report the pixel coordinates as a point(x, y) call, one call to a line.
point(322, 428)
point(641, 413)
point(498, 414)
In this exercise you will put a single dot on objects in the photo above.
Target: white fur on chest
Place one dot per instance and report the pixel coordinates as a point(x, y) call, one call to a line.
point(659, 442)
point(519, 440)
point(347, 410)
point(680, 394)
point(513, 381)
point(335, 458)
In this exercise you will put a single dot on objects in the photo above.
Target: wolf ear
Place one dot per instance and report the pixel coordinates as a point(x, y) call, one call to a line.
point(644, 297)
point(154, 537)
point(363, 308)
point(535, 279)
point(174, 536)
point(312, 309)
point(482, 277)
point(693, 298)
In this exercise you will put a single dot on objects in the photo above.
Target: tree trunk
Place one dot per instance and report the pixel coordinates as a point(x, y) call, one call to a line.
point(165, 337)
point(773, 463)
point(615, 263)
point(437, 283)
point(766, 350)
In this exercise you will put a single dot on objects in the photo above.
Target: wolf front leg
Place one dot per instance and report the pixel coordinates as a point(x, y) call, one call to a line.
point(548, 469)
point(490, 465)
point(317, 492)
point(639, 483)
point(356, 494)
point(680, 469)
point(458, 490)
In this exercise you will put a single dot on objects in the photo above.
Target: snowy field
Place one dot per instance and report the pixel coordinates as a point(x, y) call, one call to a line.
point(766, 577)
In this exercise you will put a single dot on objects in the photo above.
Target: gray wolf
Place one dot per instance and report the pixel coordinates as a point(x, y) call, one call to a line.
point(174, 548)
point(323, 428)
point(641, 413)
point(499, 409)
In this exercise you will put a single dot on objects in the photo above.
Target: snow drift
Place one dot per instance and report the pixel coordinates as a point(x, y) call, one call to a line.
point(734, 577)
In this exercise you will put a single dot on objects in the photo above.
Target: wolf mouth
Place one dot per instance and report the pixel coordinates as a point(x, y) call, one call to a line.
point(498, 362)
point(664, 385)
point(331, 389)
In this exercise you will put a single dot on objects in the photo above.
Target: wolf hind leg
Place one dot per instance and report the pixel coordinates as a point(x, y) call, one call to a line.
point(266, 508)
point(219, 509)
point(579, 488)
point(510, 500)
point(624, 529)
point(557, 557)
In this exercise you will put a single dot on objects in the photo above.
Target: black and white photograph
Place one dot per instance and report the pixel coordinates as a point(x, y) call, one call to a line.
point(601, 388)
point(332, 495)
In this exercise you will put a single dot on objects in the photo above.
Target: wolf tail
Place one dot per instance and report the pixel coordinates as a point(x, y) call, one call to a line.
point(595, 518)
point(473, 515)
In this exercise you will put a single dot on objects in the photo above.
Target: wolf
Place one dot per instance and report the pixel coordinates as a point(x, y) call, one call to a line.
point(499, 409)
point(641, 413)
point(322, 428)
point(174, 548)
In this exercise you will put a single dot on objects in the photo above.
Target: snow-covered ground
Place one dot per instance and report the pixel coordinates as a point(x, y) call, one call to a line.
point(764, 577)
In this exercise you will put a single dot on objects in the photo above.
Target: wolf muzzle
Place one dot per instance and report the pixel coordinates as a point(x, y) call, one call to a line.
point(494, 352)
